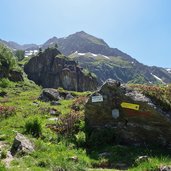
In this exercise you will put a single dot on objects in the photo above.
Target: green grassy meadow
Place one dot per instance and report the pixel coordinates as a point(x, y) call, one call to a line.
point(55, 150)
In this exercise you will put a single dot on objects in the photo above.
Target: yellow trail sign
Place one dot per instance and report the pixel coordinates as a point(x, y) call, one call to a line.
point(130, 106)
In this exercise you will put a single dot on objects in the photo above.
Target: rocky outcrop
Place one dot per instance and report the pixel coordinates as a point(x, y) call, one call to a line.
point(51, 69)
point(16, 76)
point(121, 115)
point(50, 94)
point(21, 145)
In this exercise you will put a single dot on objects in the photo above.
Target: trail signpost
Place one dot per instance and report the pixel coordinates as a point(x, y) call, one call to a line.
point(130, 106)
point(98, 98)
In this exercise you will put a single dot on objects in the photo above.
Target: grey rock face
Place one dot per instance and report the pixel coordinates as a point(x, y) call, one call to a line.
point(165, 168)
point(52, 70)
point(21, 145)
point(138, 122)
point(49, 94)
point(16, 76)
point(53, 95)
point(69, 96)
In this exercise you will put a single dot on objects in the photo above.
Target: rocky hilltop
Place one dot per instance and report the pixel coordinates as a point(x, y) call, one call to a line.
point(51, 69)
point(83, 42)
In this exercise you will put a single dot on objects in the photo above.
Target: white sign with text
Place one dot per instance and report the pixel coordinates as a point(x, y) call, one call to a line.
point(97, 98)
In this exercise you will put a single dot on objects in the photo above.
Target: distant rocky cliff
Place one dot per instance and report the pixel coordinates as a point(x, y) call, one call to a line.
point(52, 69)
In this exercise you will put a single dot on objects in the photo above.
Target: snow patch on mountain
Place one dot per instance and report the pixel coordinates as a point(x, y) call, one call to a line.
point(168, 70)
point(157, 78)
point(81, 54)
point(93, 54)
point(106, 57)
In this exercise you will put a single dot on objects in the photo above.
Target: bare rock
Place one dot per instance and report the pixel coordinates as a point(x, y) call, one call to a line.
point(141, 159)
point(55, 103)
point(50, 94)
point(165, 168)
point(51, 69)
point(21, 145)
point(54, 112)
point(69, 96)
point(53, 95)
point(9, 158)
point(137, 122)
point(16, 76)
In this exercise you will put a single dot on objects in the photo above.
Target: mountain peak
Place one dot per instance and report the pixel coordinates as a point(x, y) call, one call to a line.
point(50, 41)
point(81, 33)
point(54, 38)
point(83, 36)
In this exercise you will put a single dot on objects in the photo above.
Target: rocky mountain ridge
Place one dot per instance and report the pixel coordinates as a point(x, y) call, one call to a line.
point(116, 67)
point(95, 54)
point(15, 46)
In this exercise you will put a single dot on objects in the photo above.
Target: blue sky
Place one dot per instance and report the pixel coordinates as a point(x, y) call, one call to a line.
point(140, 28)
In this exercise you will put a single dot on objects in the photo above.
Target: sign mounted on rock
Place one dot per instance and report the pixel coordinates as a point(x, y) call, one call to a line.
point(98, 98)
point(115, 113)
point(130, 106)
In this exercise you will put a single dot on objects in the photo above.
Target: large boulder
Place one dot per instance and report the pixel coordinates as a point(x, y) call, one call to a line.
point(21, 145)
point(51, 69)
point(119, 114)
point(51, 94)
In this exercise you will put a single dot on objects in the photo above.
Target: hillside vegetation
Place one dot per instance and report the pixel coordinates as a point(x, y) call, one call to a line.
point(57, 149)
point(9, 68)
point(57, 132)
point(98, 57)
point(7, 61)
point(160, 95)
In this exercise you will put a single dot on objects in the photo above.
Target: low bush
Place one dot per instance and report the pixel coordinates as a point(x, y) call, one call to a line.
point(4, 82)
point(80, 139)
point(33, 127)
point(3, 154)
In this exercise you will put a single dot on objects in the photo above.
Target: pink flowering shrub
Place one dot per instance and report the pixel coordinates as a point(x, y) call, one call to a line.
point(6, 111)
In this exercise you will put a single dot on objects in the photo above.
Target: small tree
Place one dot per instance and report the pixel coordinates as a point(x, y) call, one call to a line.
point(7, 60)
point(20, 55)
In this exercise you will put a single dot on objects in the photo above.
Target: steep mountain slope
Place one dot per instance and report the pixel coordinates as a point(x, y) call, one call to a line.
point(16, 46)
point(83, 42)
point(106, 62)
point(95, 54)
point(116, 67)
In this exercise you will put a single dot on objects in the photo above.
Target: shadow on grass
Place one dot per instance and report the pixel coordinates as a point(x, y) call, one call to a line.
point(124, 157)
